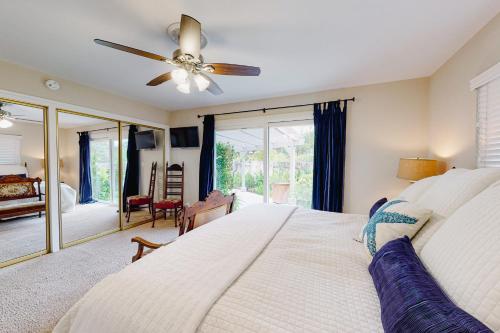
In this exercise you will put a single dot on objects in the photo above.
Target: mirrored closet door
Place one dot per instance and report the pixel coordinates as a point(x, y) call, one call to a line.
point(143, 156)
point(23, 179)
point(89, 174)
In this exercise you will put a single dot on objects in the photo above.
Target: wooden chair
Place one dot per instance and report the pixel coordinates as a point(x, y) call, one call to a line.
point(173, 196)
point(216, 205)
point(137, 201)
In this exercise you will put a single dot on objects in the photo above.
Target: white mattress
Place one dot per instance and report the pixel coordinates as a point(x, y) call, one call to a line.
point(312, 277)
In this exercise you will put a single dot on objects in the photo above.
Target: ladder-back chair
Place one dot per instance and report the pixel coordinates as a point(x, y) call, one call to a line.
point(137, 201)
point(173, 196)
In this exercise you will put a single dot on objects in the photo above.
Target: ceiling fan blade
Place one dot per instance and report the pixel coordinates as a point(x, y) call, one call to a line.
point(190, 36)
point(213, 88)
point(160, 79)
point(131, 50)
point(232, 69)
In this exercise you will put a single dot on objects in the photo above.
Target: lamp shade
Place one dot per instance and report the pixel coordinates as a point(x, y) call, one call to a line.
point(414, 169)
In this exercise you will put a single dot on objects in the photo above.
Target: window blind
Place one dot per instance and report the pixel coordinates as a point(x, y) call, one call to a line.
point(488, 124)
point(10, 149)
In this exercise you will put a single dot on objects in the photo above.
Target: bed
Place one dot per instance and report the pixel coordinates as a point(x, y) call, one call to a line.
point(278, 268)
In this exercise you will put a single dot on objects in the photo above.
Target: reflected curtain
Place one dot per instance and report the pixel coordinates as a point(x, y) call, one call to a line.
point(207, 156)
point(132, 172)
point(329, 156)
point(85, 187)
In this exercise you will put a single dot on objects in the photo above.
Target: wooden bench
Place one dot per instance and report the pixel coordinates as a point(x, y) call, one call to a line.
point(214, 206)
point(13, 187)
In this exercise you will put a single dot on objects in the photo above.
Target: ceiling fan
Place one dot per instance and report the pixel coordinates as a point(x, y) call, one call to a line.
point(6, 117)
point(189, 61)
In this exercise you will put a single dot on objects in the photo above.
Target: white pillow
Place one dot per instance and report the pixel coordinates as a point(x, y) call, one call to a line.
point(456, 187)
point(415, 190)
point(464, 257)
point(448, 193)
point(395, 219)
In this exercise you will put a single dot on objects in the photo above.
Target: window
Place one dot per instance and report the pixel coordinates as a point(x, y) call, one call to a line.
point(488, 124)
point(272, 163)
point(239, 165)
point(291, 156)
point(10, 149)
point(104, 169)
point(487, 85)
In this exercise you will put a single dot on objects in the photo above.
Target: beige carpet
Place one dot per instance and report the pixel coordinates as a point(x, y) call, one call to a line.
point(25, 235)
point(36, 293)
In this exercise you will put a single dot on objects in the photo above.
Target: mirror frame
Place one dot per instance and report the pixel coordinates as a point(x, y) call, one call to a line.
point(63, 245)
point(120, 124)
point(47, 249)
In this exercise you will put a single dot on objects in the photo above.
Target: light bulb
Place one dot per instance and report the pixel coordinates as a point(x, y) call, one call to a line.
point(4, 123)
point(184, 87)
point(201, 82)
point(180, 75)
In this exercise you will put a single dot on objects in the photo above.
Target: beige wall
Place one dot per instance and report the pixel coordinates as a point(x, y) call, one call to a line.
point(31, 82)
point(387, 121)
point(452, 106)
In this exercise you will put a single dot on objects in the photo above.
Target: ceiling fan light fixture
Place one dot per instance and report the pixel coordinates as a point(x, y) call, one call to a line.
point(4, 123)
point(180, 75)
point(201, 82)
point(184, 88)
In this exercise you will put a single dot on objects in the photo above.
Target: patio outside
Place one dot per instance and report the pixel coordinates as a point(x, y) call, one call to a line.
point(240, 164)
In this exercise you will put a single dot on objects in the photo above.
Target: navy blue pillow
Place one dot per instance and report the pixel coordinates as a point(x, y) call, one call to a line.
point(377, 205)
point(410, 298)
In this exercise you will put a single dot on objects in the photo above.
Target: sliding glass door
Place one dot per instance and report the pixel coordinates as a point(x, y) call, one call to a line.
point(291, 154)
point(239, 165)
point(272, 163)
point(104, 169)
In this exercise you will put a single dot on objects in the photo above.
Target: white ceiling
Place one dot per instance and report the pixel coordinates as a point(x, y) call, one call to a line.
point(301, 46)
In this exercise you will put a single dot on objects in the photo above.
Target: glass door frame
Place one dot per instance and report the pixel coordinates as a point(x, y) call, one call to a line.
point(264, 123)
point(44, 109)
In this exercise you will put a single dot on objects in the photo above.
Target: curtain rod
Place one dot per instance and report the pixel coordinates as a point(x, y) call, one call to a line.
point(273, 108)
point(102, 129)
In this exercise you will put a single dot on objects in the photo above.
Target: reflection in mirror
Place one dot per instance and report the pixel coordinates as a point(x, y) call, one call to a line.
point(23, 225)
point(88, 175)
point(143, 172)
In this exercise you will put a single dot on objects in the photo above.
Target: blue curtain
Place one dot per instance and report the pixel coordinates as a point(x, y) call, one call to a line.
point(85, 189)
point(131, 182)
point(329, 156)
point(207, 158)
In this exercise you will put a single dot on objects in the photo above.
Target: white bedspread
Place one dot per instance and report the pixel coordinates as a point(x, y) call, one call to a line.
point(172, 289)
point(313, 277)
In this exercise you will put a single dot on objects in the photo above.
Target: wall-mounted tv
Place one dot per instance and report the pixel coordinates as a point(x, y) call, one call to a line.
point(145, 140)
point(184, 137)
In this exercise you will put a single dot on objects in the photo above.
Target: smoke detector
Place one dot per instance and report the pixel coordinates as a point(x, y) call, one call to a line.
point(52, 85)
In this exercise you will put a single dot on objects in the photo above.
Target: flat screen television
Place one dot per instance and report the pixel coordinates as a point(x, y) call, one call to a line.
point(145, 140)
point(184, 137)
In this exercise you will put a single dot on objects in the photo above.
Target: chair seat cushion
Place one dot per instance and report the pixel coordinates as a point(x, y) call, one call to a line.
point(139, 200)
point(168, 204)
